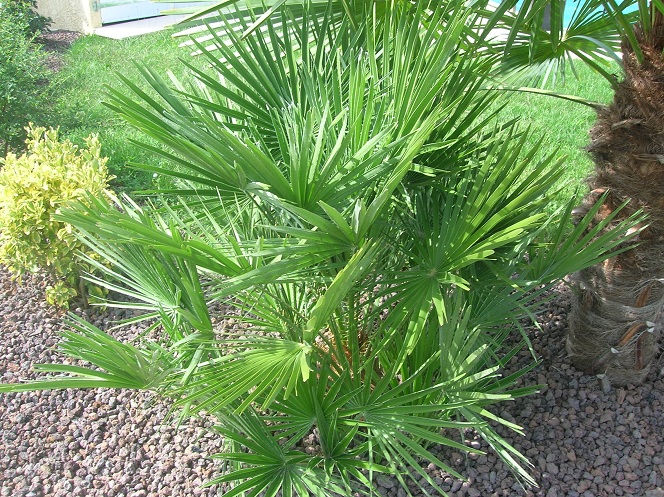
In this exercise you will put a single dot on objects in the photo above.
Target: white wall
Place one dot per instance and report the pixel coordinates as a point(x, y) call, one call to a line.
point(71, 15)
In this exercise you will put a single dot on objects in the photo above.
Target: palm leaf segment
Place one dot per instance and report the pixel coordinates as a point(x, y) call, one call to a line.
point(348, 201)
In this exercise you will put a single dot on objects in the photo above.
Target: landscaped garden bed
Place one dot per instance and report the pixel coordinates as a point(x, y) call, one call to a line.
point(355, 275)
point(109, 443)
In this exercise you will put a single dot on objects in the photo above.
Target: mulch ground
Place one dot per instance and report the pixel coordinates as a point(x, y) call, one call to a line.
point(55, 44)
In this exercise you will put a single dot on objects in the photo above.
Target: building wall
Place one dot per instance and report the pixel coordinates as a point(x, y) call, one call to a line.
point(71, 15)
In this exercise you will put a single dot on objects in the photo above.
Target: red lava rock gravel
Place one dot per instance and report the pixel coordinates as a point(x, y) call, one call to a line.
point(109, 443)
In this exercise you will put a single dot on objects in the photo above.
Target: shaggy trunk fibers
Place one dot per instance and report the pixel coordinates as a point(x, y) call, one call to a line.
point(617, 314)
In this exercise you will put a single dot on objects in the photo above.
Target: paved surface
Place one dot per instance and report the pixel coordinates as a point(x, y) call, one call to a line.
point(121, 30)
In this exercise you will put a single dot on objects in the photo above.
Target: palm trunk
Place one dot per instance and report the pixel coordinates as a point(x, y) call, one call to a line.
point(617, 315)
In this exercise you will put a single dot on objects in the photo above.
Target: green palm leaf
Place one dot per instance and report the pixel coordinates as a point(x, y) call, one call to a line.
point(255, 369)
point(119, 365)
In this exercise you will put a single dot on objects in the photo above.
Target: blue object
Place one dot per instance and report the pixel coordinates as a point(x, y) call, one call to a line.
point(571, 6)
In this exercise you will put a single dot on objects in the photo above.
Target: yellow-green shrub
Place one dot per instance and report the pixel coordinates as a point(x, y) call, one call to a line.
point(32, 188)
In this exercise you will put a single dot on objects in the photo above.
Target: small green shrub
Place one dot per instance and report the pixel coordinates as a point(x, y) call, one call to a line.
point(25, 11)
point(24, 81)
point(32, 189)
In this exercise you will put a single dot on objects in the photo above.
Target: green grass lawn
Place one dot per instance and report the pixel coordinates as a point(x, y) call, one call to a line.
point(92, 63)
point(562, 125)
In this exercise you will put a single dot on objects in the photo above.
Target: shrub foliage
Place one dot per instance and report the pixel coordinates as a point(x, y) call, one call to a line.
point(33, 187)
point(24, 83)
point(24, 12)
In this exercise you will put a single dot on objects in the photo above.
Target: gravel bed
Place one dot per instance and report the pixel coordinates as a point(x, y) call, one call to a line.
point(109, 443)
point(97, 442)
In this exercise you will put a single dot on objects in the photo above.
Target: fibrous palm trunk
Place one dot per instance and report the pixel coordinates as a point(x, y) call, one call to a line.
point(617, 316)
